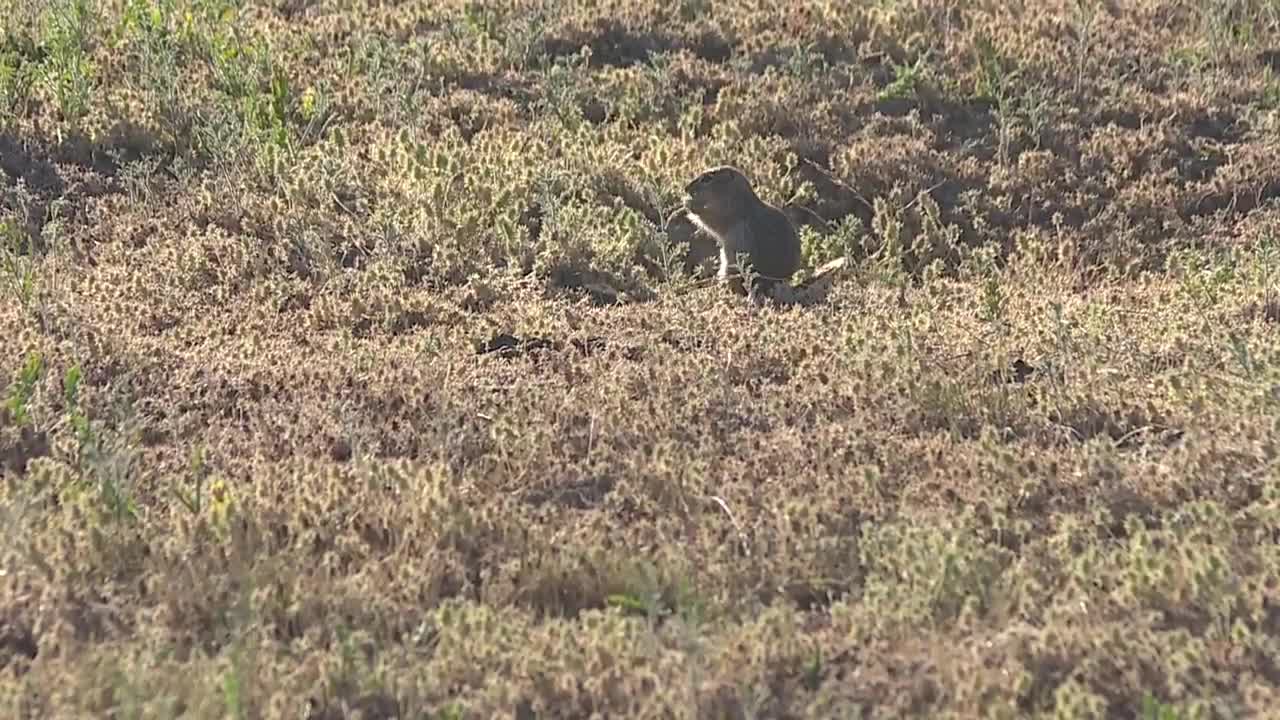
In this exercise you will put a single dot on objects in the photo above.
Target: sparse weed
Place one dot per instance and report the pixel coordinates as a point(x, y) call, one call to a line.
point(1153, 709)
point(76, 417)
point(807, 64)
point(1084, 17)
point(913, 237)
point(108, 458)
point(18, 265)
point(21, 392)
point(194, 500)
point(233, 690)
point(993, 299)
point(933, 575)
point(154, 33)
point(525, 34)
point(68, 71)
point(18, 76)
point(1205, 281)
point(906, 81)
point(562, 94)
point(1231, 26)
point(847, 240)
point(1019, 106)
point(1244, 359)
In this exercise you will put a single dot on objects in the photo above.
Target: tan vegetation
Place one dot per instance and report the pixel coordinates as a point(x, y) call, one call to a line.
point(350, 370)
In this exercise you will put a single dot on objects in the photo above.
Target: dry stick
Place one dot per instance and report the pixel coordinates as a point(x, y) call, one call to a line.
point(924, 192)
point(742, 537)
point(697, 285)
point(858, 196)
point(840, 183)
point(1132, 434)
point(342, 205)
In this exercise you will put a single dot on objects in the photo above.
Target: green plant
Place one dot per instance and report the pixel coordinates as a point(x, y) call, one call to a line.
point(76, 417)
point(1153, 709)
point(1065, 346)
point(694, 9)
point(18, 75)
point(845, 240)
point(1205, 279)
point(562, 90)
point(1240, 351)
point(982, 264)
point(1084, 17)
point(155, 48)
point(1269, 99)
point(906, 81)
point(68, 73)
point(23, 389)
point(1265, 268)
point(194, 500)
point(482, 18)
point(806, 63)
point(1229, 26)
point(17, 263)
point(1036, 108)
point(450, 711)
point(523, 36)
point(933, 574)
point(887, 224)
point(108, 458)
point(993, 299)
point(814, 671)
point(233, 689)
point(998, 79)
point(261, 117)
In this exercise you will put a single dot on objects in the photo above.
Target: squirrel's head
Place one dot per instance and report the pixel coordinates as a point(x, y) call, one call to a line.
point(719, 193)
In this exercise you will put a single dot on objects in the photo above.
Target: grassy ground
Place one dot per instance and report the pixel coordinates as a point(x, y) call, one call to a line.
point(255, 463)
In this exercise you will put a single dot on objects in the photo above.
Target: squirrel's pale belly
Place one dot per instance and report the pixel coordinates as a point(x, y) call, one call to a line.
point(732, 243)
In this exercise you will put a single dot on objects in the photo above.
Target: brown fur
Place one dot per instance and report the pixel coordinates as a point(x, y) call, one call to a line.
point(723, 203)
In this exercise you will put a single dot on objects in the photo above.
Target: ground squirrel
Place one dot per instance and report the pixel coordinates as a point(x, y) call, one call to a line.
point(724, 205)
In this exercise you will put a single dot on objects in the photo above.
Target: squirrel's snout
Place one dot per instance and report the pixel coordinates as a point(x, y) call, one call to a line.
point(695, 201)
point(691, 194)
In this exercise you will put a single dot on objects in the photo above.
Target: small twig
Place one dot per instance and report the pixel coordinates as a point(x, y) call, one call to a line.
point(342, 205)
point(957, 356)
point(922, 193)
point(1131, 434)
point(698, 285)
point(742, 537)
point(839, 183)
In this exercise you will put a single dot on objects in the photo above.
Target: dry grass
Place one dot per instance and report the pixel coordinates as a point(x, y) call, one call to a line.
point(256, 463)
